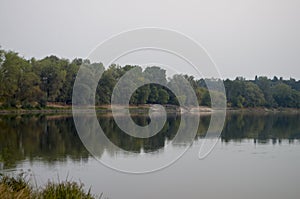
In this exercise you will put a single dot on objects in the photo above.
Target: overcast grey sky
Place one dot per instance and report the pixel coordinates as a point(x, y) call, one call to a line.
point(244, 37)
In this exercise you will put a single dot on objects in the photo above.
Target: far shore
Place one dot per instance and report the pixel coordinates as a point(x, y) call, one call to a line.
point(144, 108)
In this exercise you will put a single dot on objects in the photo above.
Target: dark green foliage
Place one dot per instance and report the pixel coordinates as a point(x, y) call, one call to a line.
point(19, 83)
point(206, 101)
point(265, 85)
point(33, 83)
point(153, 96)
point(285, 96)
point(262, 92)
point(163, 96)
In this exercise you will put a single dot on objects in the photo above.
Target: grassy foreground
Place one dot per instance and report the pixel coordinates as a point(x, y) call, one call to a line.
point(19, 187)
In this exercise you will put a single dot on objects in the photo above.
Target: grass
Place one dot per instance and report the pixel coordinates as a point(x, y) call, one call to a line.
point(15, 187)
point(20, 187)
point(64, 190)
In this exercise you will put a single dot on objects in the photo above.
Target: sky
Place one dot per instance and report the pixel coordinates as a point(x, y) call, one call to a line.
point(243, 37)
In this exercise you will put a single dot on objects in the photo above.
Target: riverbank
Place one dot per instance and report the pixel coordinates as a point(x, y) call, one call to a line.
point(136, 109)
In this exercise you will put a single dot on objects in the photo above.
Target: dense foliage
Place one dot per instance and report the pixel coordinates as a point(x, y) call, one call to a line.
point(34, 83)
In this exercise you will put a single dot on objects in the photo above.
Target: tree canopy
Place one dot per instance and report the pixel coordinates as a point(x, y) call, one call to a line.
point(34, 83)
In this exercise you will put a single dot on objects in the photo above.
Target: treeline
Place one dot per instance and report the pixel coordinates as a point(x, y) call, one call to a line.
point(271, 93)
point(34, 83)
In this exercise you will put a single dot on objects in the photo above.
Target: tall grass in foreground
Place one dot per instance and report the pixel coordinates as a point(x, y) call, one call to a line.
point(15, 187)
point(19, 187)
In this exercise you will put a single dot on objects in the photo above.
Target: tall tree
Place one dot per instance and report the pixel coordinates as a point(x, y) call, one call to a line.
point(266, 87)
point(283, 95)
point(253, 95)
point(52, 73)
point(20, 83)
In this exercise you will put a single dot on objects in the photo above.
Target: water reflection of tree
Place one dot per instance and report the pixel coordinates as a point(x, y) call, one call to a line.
point(261, 127)
point(129, 143)
point(52, 139)
point(35, 137)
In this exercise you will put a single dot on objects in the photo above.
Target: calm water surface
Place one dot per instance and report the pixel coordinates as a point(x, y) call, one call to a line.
point(258, 156)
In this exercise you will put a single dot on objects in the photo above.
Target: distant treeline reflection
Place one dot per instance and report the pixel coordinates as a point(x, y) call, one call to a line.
point(54, 138)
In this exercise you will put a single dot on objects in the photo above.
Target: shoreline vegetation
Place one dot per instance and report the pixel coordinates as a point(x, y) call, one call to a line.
point(46, 85)
point(142, 109)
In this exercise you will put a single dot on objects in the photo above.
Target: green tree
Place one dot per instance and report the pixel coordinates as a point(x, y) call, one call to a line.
point(266, 87)
point(10, 74)
point(163, 96)
point(156, 73)
point(253, 95)
point(143, 94)
point(65, 93)
point(283, 95)
point(206, 100)
point(20, 83)
point(234, 92)
point(52, 73)
point(153, 95)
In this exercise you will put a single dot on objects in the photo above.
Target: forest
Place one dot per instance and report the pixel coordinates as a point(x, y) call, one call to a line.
point(32, 83)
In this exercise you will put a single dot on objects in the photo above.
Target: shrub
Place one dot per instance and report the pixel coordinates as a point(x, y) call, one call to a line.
point(19, 187)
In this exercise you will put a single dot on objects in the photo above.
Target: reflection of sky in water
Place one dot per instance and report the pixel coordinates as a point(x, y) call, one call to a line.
point(232, 170)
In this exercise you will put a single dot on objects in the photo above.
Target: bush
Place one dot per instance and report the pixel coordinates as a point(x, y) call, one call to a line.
point(19, 187)
point(64, 190)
